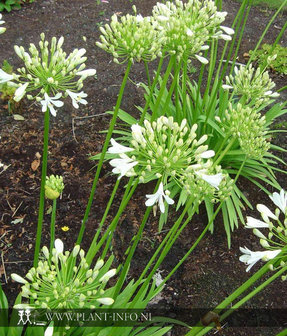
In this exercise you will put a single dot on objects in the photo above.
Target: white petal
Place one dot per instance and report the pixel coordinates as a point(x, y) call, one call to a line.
point(49, 331)
point(264, 210)
point(227, 30)
point(18, 278)
point(201, 59)
point(208, 154)
point(106, 301)
point(255, 223)
point(59, 245)
point(57, 103)
point(86, 73)
point(213, 180)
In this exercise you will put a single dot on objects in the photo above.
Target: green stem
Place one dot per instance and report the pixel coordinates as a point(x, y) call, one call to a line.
point(95, 246)
point(166, 240)
point(192, 247)
point(107, 210)
point(105, 147)
point(147, 104)
point(52, 227)
point(42, 188)
point(184, 80)
point(147, 74)
point(222, 154)
point(163, 87)
point(121, 210)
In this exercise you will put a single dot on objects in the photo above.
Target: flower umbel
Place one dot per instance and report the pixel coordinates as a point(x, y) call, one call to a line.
point(188, 26)
point(248, 126)
point(169, 152)
point(54, 186)
point(276, 240)
point(48, 74)
point(254, 85)
point(131, 37)
point(60, 282)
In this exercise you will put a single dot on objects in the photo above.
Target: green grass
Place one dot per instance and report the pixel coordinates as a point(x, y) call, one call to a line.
point(269, 3)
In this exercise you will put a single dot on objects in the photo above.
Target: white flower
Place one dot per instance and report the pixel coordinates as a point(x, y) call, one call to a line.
point(250, 258)
point(139, 18)
point(255, 223)
point(189, 32)
point(4, 77)
point(86, 73)
point(106, 301)
point(265, 211)
point(18, 278)
point(77, 97)
point(20, 92)
point(227, 87)
point(137, 133)
point(280, 200)
point(49, 331)
point(106, 277)
point(123, 165)
point(48, 102)
point(118, 148)
point(213, 180)
point(207, 154)
point(201, 59)
point(227, 30)
point(158, 197)
point(59, 246)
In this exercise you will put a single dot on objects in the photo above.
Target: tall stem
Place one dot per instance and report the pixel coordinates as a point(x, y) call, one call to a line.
point(105, 147)
point(52, 226)
point(42, 188)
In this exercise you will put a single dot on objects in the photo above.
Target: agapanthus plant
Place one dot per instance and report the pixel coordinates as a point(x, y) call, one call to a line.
point(248, 126)
point(64, 280)
point(273, 241)
point(188, 26)
point(171, 153)
point(49, 74)
point(254, 85)
point(132, 37)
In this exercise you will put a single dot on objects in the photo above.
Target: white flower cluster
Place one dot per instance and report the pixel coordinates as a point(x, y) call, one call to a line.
point(59, 282)
point(132, 37)
point(167, 151)
point(177, 28)
point(254, 85)
point(2, 29)
point(49, 74)
point(188, 26)
point(248, 126)
point(276, 240)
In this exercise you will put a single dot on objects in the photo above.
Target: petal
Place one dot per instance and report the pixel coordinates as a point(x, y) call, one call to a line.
point(59, 245)
point(255, 223)
point(207, 154)
point(264, 210)
point(49, 331)
point(106, 301)
point(57, 103)
point(201, 59)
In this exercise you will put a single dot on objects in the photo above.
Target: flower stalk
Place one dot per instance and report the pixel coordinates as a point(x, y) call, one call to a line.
point(105, 147)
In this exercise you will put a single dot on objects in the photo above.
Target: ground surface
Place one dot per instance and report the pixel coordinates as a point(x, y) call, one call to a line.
point(212, 271)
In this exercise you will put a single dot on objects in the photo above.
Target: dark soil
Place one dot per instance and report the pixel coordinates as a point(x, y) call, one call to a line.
point(212, 271)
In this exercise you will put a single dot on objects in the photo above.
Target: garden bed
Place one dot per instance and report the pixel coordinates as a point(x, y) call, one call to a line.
point(212, 271)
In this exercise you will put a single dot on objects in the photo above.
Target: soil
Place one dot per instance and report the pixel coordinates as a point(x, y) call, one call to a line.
point(212, 271)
